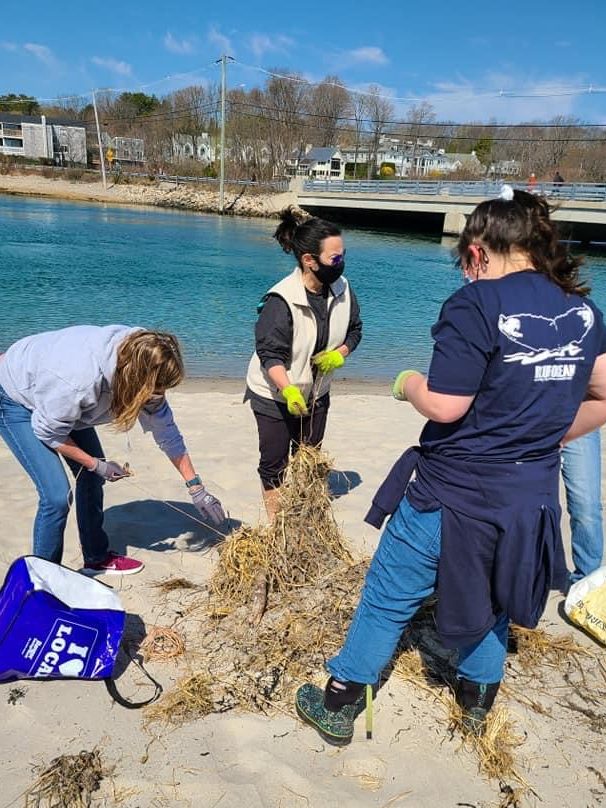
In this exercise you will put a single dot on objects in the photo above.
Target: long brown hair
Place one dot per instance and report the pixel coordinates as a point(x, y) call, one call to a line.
point(148, 363)
point(524, 223)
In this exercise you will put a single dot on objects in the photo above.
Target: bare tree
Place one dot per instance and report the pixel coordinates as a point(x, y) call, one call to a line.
point(286, 100)
point(193, 109)
point(247, 128)
point(328, 104)
point(419, 115)
point(563, 131)
point(380, 113)
point(358, 107)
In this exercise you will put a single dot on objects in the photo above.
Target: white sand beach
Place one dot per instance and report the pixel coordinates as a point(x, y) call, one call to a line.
point(237, 760)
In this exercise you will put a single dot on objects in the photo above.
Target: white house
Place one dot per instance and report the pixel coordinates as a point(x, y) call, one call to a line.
point(39, 137)
point(422, 159)
point(193, 147)
point(324, 163)
point(465, 162)
point(505, 168)
point(407, 158)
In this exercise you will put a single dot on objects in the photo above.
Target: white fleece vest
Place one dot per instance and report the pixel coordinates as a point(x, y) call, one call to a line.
point(292, 290)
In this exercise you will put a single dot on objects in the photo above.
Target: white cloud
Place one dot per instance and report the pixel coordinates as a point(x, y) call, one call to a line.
point(174, 45)
point(366, 55)
point(121, 68)
point(223, 43)
point(41, 52)
point(505, 98)
point(262, 43)
point(9, 46)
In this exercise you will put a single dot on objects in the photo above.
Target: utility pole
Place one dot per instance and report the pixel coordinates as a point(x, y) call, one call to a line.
point(223, 61)
point(101, 157)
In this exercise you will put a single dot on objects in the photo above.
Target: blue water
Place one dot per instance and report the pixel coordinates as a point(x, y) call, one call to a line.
point(201, 277)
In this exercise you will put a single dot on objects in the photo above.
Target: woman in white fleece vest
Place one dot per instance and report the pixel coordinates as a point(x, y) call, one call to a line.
point(308, 324)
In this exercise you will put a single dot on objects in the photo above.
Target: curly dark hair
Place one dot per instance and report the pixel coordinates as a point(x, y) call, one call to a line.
point(525, 223)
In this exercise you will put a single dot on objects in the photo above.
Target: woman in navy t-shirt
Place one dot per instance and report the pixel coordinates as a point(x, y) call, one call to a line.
point(518, 368)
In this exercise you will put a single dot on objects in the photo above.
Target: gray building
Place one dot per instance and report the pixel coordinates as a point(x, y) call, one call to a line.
point(124, 150)
point(36, 136)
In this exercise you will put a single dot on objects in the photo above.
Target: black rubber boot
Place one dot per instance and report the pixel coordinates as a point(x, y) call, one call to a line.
point(475, 700)
point(331, 712)
point(336, 697)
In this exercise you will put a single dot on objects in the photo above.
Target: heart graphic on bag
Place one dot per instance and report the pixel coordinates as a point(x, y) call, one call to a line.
point(56, 623)
point(73, 667)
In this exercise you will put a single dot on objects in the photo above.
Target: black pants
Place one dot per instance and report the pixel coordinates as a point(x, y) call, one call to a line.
point(278, 437)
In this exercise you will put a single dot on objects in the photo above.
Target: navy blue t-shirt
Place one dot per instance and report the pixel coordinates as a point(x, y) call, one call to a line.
point(525, 349)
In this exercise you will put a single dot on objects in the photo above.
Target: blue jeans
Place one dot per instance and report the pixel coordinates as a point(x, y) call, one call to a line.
point(44, 467)
point(582, 474)
point(402, 574)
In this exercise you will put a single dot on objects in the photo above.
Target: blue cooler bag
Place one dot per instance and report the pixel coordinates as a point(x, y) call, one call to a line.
point(57, 623)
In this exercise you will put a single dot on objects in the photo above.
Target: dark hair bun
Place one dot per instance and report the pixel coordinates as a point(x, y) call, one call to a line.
point(290, 219)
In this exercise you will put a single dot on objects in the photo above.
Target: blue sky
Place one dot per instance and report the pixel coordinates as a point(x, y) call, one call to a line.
point(465, 59)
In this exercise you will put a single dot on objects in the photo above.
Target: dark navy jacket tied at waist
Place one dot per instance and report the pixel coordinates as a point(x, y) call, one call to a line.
point(501, 543)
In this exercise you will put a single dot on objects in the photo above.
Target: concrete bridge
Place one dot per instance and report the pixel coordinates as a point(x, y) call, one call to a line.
point(442, 206)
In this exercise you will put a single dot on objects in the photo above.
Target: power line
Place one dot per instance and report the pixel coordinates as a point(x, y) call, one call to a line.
point(474, 138)
point(590, 89)
point(401, 122)
point(483, 93)
point(164, 115)
point(213, 107)
point(138, 87)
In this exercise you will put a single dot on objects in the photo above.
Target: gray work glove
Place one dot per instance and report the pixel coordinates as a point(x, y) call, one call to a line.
point(110, 470)
point(207, 505)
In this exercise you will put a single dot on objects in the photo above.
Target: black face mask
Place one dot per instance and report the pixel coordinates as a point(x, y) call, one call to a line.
point(329, 273)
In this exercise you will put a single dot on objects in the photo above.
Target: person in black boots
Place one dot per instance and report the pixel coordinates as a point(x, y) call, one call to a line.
point(308, 324)
point(518, 369)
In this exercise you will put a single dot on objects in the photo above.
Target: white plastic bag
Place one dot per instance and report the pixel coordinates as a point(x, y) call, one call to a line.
point(585, 604)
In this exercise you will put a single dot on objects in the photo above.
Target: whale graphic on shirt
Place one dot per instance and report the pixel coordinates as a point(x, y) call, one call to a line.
point(547, 337)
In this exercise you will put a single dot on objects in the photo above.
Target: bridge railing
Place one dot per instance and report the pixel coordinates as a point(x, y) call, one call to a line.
point(589, 192)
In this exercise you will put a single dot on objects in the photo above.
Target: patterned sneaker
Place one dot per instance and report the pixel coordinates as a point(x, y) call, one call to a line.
point(114, 564)
point(335, 727)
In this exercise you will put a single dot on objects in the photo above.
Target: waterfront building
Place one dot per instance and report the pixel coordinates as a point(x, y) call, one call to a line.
point(37, 137)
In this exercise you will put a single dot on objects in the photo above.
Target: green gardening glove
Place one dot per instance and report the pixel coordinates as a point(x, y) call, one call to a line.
point(327, 361)
point(295, 403)
point(398, 386)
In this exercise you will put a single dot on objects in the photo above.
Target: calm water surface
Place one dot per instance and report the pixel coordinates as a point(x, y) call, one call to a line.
point(201, 276)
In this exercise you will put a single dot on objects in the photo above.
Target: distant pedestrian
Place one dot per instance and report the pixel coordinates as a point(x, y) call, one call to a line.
point(532, 182)
point(558, 181)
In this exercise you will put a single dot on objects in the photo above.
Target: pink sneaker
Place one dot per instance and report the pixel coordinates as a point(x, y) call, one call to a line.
point(114, 564)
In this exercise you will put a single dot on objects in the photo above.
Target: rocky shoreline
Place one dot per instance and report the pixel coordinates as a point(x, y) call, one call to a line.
point(239, 200)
